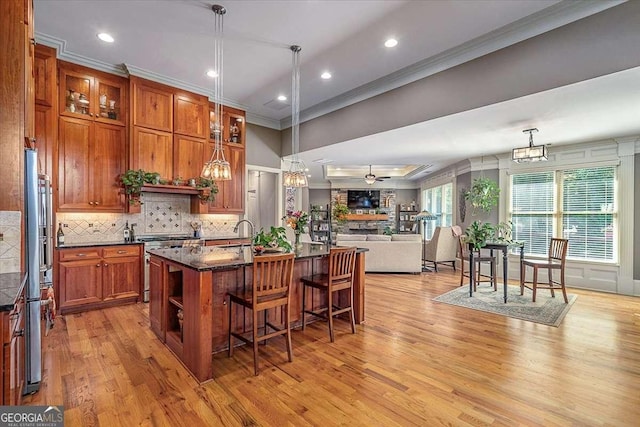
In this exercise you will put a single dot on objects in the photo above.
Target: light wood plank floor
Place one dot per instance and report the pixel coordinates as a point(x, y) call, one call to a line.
point(414, 362)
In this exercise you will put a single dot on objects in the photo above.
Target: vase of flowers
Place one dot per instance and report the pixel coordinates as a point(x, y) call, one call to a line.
point(297, 220)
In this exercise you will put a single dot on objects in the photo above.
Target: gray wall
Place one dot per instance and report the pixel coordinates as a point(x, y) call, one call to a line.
point(636, 219)
point(263, 146)
point(594, 46)
point(407, 196)
point(320, 196)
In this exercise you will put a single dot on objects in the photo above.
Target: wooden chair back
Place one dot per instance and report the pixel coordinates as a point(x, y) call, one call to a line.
point(558, 250)
point(342, 263)
point(272, 276)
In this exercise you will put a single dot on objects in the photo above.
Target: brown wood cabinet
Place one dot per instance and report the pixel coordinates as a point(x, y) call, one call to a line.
point(190, 115)
point(91, 95)
point(96, 277)
point(230, 197)
point(46, 111)
point(152, 105)
point(188, 156)
point(13, 352)
point(233, 125)
point(91, 155)
point(152, 150)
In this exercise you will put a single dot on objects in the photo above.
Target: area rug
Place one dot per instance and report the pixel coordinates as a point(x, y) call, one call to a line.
point(546, 310)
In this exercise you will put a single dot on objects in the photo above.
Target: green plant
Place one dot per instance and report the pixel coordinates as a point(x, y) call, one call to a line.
point(340, 212)
point(387, 231)
point(478, 233)
point(152, 178)
point(502, 232)
point(207, 184)
point(133, 180)
point(483, 194)
point(276, 237)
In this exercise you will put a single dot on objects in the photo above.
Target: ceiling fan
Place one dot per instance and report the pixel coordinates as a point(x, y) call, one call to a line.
point(370, 178)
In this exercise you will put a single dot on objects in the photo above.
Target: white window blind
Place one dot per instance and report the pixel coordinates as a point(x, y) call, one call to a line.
point(533, 210)
point(589, 213)
point(582, 208)
point(439, 202)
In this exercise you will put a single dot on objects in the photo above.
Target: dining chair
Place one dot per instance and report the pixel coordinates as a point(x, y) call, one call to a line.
point(478, 260)
point(338, 279)
point(272, 278)
point(555, 261)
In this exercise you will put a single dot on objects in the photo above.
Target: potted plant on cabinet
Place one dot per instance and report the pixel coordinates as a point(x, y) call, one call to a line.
point(208, 189)
point(133, 181)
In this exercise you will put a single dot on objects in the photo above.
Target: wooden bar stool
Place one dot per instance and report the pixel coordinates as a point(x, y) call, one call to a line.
point(555, 261)
point(271, 288)
point(478, 260)
point(339, 277)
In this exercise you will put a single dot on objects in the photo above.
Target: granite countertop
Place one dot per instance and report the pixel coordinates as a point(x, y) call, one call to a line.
point(11, 285)
point(93, 244)
point(203, 258)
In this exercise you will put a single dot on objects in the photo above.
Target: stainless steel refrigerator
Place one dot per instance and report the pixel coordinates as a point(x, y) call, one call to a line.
point(39, 254)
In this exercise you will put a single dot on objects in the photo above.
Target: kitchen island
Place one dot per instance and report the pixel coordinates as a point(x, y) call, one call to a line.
point(188, 307)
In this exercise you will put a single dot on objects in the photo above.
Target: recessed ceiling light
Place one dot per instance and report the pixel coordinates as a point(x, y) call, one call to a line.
point(106, 37)
point(391, 43)
point(282, 98)
point(326, 75)
point(212, 74)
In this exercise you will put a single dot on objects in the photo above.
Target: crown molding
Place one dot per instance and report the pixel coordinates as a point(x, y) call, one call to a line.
point(60, 46)
point(550, 18)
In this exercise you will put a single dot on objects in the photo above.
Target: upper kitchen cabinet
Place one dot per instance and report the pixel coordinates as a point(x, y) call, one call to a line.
point(91, 95)
point(230, 197)
point(190, 115)
point(152, 150)
point(233, 125)
point(90, 158)
point(152, 105)
point(188, 156)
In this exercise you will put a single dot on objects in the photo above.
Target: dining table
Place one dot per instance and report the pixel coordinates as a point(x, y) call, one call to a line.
point(493, 246)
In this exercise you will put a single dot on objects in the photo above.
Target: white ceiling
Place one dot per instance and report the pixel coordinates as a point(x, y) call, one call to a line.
point(173, 40)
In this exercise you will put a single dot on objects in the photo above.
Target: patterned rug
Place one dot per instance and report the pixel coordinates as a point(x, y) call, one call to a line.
point(546, 310)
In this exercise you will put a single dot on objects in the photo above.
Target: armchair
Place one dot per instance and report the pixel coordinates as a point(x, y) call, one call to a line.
point(442, 248)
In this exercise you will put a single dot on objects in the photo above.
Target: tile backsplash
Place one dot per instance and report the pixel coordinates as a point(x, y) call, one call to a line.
point(161, 214)
point(10, 242)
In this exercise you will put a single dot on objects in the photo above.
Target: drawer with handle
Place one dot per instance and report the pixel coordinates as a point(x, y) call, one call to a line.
point(117, 251)
point(77, 254)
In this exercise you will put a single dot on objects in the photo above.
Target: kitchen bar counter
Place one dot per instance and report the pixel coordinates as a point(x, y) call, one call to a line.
point(188, 304)
point(11, 285)
point(204, 258)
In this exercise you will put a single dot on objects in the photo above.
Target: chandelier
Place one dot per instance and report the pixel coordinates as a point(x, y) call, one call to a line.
point(217, 168)
point(296, 175)
point(531, 153)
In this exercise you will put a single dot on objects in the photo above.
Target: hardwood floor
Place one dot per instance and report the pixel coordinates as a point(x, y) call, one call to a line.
point(414, 362)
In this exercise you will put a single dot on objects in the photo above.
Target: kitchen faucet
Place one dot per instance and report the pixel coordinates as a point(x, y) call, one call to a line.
point(251, 226)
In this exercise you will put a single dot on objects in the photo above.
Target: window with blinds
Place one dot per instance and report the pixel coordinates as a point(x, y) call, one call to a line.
point(439, 202)
point(581, 208)
point(533, 210)
point(589, 212)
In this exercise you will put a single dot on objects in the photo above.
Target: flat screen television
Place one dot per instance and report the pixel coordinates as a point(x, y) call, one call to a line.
point(363, 199)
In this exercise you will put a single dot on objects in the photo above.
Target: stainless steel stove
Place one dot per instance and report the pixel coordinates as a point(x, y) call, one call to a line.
point(160, 242)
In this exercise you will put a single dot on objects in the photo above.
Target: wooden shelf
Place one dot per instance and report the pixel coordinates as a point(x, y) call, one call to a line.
point(175, 189)
point(367, 217)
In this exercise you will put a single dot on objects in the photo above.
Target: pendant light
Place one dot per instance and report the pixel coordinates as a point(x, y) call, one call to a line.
point(296, 175)
point(532, 153)
point(217, 168)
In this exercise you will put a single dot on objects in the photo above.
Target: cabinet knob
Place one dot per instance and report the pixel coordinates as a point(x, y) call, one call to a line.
point(106, 265)
point(97, 265)
point(81, 255)
point(91, 203)
point(91, 114)
point(96, 203)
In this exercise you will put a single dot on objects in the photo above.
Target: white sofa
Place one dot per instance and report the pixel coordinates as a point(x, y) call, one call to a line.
point(398, 253)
